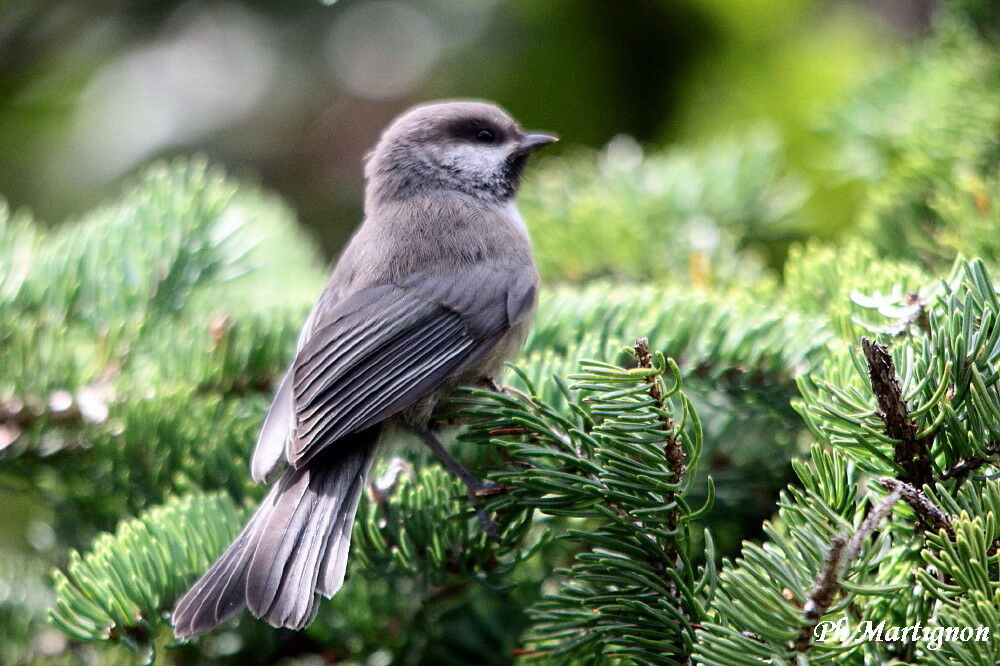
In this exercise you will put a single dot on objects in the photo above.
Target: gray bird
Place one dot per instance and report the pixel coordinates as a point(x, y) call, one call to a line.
point(436, 289)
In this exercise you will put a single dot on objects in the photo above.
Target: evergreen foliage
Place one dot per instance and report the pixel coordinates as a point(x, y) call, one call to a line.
point(900, 422)
point(928, 131)
point(637, 451)
point(620, 462)
point(683, 212)
point(129, 577)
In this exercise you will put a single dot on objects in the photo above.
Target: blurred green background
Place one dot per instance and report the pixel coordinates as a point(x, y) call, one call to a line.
point(702, 140)
point(293, 93)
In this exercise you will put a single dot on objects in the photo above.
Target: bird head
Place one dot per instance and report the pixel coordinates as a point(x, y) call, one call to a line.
point(471, 147)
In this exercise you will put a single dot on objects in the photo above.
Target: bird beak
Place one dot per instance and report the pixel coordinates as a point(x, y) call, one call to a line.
point(534, 140)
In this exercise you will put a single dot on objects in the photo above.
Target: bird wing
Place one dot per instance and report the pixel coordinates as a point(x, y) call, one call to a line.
point(382, 348)
point(280, 421)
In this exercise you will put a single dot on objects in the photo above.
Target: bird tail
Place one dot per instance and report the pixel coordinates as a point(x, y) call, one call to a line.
point(292, 550)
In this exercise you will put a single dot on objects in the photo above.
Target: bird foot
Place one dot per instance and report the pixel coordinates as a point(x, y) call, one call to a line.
point(474, 488)
point(488, 525)
point(506, 389)
point(489, 489)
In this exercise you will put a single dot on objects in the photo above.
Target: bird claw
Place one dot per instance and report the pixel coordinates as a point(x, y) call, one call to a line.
point(489, 489)
point(488, 525)
point(505, 389)
point(474, 488)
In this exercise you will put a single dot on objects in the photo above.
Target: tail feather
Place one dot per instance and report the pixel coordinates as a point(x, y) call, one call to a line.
point(334, 566)
point(289, 520)
point(285, 568)
point(293, 549)
point(220, 590)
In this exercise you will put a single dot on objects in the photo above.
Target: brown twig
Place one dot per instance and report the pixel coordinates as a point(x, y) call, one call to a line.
point(500, 432)
point(967, 466)
point(871, 521)
point(824, 589)
point(673, 452)
point(929, 515)
point(911, 452)
point(25, 413)
point(672, 449)
point(917, 315)
point(841, 553)
point(87, 405)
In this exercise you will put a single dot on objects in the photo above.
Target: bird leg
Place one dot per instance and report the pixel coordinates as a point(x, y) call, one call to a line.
point(473, 486)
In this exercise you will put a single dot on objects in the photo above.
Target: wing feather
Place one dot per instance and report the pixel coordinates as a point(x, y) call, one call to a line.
point(275, 432)
point(435, 348)
point(381, 349)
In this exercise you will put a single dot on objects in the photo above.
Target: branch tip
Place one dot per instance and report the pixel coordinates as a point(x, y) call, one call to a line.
point(910, 452)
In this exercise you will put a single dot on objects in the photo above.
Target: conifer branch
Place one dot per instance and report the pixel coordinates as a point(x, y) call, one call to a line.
point(927, 512)
point(673, 452)
point(87, 405)
point(841, 553)
point(915, 314)
point(911, 452)
point(822, 593)
point(967, 466)
point(874, 518)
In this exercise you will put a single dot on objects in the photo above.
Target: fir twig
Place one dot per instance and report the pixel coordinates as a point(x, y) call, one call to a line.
point(911, 452)
point(823, 591)
point(871, 521)
point(61, 408)
point(841, 553)
point(915, 315)
point(929, 515)
point(966, 466)
point(673, 452)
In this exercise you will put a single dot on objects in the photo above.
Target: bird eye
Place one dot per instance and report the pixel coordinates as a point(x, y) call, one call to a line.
point(485, 136)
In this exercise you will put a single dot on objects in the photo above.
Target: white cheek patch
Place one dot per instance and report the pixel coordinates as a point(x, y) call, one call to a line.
point(478, 160)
